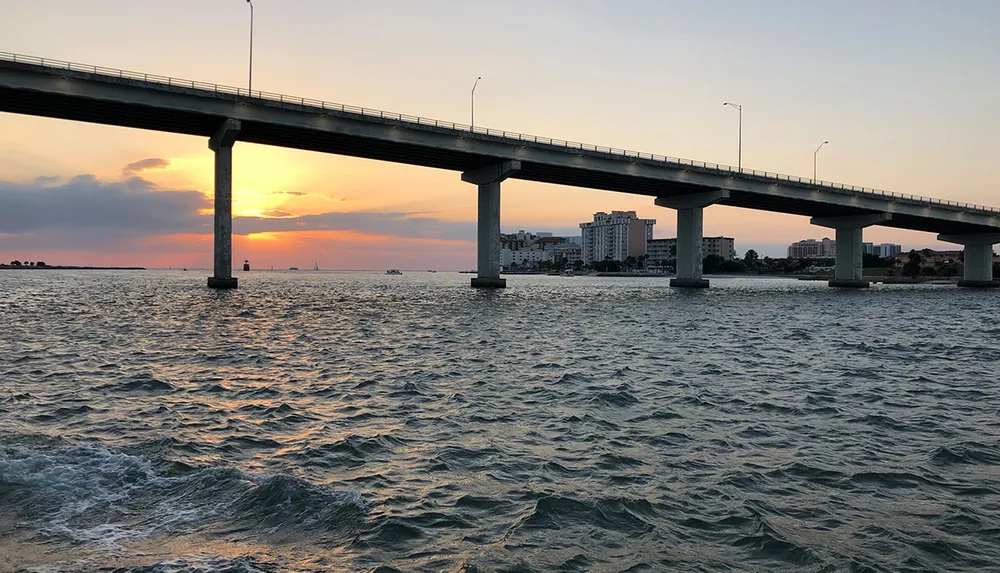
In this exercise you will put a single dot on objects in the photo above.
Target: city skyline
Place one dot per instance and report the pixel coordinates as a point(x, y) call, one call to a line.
point(85, 194)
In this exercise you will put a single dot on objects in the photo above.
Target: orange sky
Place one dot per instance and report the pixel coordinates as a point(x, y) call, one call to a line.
point(903, 111)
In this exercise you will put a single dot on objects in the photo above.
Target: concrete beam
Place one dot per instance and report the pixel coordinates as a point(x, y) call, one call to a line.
point(851, 221)
point(971, 239)
point(493, 173)
point(226, 135)
point(298, 129)
point(693, 200)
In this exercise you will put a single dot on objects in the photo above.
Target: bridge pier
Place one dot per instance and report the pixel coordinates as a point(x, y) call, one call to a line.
point(848, 272)
point(488, 238)
point(978, 258)
point(690, 218)
point(222, 144)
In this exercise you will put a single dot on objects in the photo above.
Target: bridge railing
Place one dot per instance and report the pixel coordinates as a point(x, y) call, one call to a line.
point(506, 135)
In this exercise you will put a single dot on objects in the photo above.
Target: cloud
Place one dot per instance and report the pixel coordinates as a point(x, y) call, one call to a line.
point(403, 225)
point(149, 164)
point(47, 179)
point(276, 213)
point(295, 193)
point(91, 207)
point(88, 213)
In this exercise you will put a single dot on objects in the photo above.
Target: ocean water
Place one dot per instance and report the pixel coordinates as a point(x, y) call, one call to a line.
point(321, 421)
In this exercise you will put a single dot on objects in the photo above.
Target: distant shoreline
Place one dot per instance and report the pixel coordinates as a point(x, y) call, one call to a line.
point(70, 268)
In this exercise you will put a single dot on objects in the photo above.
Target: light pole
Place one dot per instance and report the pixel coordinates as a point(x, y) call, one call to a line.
point(739, 156)
point(472, 122)
point(814, 158)
point(250, 78)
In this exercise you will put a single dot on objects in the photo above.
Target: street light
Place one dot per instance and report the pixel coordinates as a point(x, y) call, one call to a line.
point(250, 78)
point(814, 158)
point(739, 156)
point(472, 122)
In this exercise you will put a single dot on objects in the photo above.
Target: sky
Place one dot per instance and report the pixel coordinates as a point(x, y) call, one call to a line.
point(903, 90)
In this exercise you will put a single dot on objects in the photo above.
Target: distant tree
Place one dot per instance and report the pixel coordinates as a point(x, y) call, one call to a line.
point(712, 264)
point(870, 261)
point(929, 271)
point(40, 264)
point(31, 264)
point(751, 260)
point(734, 266)
point(996, 270)
point(15, 263)
point(913, 264)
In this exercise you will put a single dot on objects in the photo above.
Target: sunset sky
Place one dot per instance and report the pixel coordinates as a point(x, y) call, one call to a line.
point(906, 91)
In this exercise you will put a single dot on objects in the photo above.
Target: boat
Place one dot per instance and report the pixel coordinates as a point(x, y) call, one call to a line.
point(246, 264)
point(393, 272)
point(293, 268)
point(430, 271)
point(315, 266)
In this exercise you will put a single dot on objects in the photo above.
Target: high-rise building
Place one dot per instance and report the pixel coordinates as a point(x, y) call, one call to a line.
point(615, 236)
point(886, 250)
point(813, 249)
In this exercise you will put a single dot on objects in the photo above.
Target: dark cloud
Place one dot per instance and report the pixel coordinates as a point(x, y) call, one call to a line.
point(116, 209)
point(295, 193)
point(404, 225)
point(87, 213)
point(145, 165)
point(47, 179)
point(277, 213)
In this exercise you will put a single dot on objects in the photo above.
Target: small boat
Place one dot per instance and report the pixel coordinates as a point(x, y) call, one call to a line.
point(393, 272)
point(315, 266)
point(430, 271)
point(293, 268)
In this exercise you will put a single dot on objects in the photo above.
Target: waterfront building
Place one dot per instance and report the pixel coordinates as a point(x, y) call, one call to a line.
point(662, 251)
point(569, 252)
point(813, 249)
point(524, 257)
point(615, 236)
point(516, 241)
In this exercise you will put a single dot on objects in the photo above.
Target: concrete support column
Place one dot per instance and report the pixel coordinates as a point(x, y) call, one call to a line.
point(690, 219)
point(978, 258)
point(849, 271)
point(488, 237)
point(222, 144)
point(690, 223)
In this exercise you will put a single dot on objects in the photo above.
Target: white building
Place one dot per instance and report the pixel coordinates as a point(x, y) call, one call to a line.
point(813, 249)
point(883, 250)
point(524, 257)
point(615, 236)
point(661, 251)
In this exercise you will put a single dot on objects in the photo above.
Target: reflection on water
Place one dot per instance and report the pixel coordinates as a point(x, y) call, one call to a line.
point(321, 421)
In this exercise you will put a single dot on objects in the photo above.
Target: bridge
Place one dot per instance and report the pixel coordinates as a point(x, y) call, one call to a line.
point(484, 157)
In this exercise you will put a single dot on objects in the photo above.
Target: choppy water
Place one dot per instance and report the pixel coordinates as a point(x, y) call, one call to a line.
point(363, 422)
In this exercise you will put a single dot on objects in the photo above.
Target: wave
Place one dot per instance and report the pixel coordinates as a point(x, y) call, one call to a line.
point(91, 493)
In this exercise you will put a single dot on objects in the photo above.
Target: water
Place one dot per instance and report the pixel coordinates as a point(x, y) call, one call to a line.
point(363, 422)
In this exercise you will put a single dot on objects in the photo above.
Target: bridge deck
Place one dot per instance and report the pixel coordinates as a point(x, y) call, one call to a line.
point(113, 97)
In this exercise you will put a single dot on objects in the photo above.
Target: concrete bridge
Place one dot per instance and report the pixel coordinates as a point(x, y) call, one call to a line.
point(485, 157)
